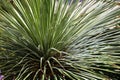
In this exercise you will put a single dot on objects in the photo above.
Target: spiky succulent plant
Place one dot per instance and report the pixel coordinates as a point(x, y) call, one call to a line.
point(59, 40)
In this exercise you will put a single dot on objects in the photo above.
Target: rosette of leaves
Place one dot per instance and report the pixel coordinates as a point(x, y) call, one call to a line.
point(60, 40)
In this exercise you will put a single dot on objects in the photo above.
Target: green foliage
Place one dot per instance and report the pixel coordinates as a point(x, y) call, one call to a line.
point(57, 40)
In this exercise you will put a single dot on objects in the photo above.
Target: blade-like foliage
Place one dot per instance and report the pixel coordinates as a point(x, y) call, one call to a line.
point(59, 40)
